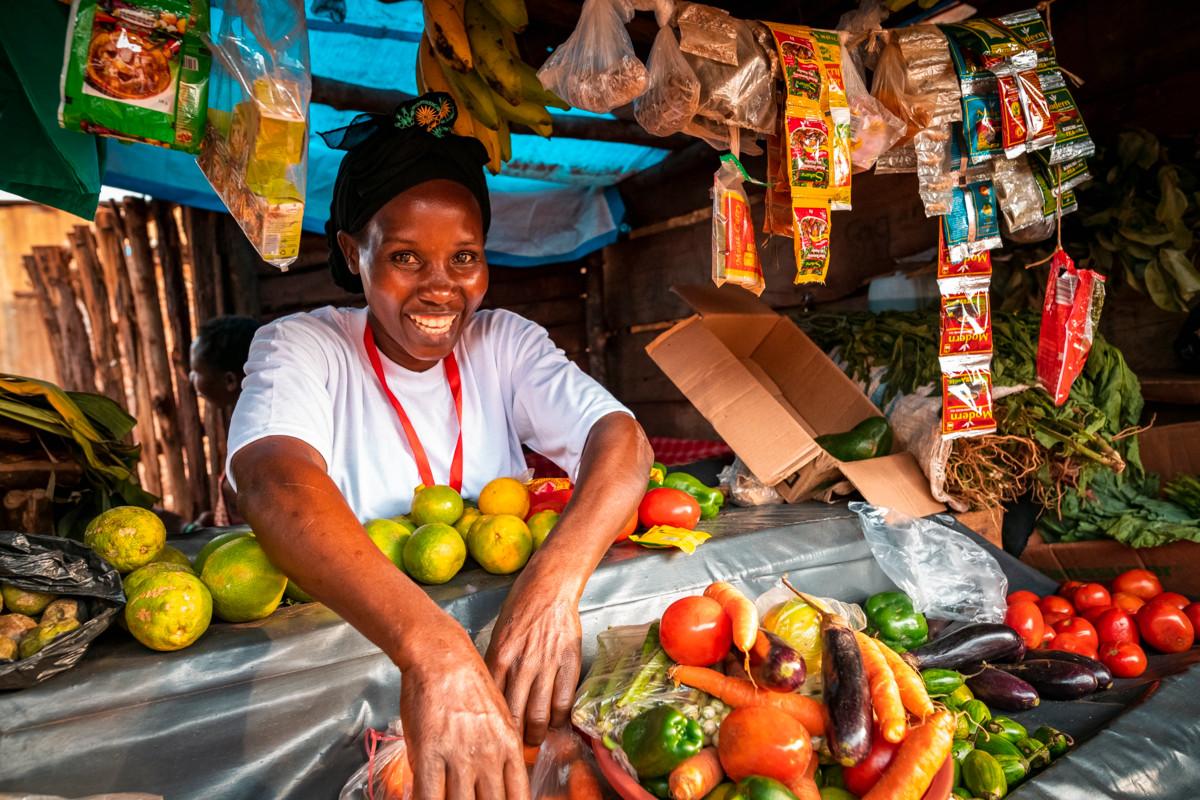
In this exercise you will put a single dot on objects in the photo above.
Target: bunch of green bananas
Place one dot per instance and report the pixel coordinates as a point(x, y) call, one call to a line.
point(470, 52)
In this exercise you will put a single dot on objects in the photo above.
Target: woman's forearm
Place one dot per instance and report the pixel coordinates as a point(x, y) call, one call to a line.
point(612, 479)
point(308, 530)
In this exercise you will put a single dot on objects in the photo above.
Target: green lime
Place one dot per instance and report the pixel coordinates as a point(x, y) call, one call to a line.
point(389, 536)
point(434, 553)
point(127, 537)
point(172, 555)
point(245, 585)
point(540, 525)
point(213, 544)
point(436, 504)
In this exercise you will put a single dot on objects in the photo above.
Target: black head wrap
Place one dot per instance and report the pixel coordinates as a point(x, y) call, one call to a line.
point(387, 154)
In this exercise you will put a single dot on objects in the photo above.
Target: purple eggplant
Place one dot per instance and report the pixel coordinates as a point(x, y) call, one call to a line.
point(781, 669)
point(1003, 690)
point(1055, 680)
point(846, 694)
point(1104, 676)
point(969, 645)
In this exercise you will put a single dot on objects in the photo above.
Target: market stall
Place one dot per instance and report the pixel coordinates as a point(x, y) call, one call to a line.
point(278, 708)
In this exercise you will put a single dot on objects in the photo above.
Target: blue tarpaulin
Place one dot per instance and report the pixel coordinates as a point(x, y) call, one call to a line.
point(552, 202)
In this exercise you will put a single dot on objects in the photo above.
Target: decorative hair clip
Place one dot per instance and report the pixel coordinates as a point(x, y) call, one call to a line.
point(433, 113)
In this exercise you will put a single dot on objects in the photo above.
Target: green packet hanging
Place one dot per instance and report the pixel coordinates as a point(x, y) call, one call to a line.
point(137, 70)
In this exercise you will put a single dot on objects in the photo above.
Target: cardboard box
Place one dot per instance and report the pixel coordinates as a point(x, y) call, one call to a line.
point(1167, 450)
point(768, 390)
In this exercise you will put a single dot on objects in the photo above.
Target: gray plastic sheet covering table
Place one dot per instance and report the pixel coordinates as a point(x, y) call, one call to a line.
point(277, 708)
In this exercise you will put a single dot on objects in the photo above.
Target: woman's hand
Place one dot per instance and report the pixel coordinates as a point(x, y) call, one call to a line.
point(534, 656)
point(462, 742)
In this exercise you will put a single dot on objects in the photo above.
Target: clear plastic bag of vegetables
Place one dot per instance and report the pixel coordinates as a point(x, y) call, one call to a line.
point(799, 625)
point(629, 676)
point(386, 775)
point(566, 768)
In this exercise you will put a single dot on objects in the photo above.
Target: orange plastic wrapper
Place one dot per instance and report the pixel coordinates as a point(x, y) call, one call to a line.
point(778, 219)
point(967, 406)
point(1070, 315)
point(734, 254)
point(810, 238)
point(808, 150)
point(801, 69)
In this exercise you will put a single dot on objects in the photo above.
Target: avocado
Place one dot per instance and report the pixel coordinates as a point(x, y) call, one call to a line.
point(868, 439)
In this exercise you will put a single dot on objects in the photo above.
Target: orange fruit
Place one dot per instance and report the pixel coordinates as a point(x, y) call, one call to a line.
point(505, 496)
point(434, 553)
point(245, 585)
point(540, 525)
point(500, 543)
point(436, 504)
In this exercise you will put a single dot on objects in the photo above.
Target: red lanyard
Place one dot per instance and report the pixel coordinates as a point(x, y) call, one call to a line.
point(414, 441)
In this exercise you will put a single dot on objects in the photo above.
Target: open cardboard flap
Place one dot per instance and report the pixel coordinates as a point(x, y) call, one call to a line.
point(768, 390)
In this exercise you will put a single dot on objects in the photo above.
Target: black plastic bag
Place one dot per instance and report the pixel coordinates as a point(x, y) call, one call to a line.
point(63, 567)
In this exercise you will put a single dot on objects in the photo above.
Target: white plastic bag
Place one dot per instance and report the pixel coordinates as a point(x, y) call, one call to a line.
point(595, 68)
point(673, 93)
point(386, 775)
point(947, 575)
point(745, 489)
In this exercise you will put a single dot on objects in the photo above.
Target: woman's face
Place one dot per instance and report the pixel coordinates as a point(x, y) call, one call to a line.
point(422, 266)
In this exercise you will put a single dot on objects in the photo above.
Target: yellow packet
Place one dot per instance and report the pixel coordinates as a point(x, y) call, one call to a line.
point(801, 69)
point(657, 475)
point(810, 237)
point(661, 536)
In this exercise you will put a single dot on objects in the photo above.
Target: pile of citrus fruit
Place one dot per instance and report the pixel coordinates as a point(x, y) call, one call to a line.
point(170, 600)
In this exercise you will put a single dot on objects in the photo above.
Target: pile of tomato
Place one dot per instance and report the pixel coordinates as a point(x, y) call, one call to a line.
point(1113, 623)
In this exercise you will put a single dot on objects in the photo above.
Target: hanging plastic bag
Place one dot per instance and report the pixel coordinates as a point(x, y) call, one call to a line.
point(1070, 315)
point(387, 774)
point(566, 768)
point(61, 567)
point(137, 70)
point(947, 575)
point(673, 93)
point(255, 149)
point(734, 254)
point(745, 489)
point(595, 68)
point(708, 32)
point(740, 95)
point(873, 128)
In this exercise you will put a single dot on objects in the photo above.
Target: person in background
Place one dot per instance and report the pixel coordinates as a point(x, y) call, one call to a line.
point(218, 359)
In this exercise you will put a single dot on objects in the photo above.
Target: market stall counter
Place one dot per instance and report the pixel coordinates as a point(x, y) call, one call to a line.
point(277, 708)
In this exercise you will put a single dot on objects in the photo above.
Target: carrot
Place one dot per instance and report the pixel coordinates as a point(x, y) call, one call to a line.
point(582, 783)
point(741, 611)
point(917, 761)
point(805, 788)
point(738, 693)
point(696, 776)
point(912, 688)
point(885, 693)
point(530, 753)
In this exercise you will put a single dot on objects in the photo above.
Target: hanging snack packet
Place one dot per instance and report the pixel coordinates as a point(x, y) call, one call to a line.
point(835, 100)
point(1069, 174)
point(1013, 129)
point(255, 150)
point(1038, 119)
point(985, 47)
point(810, 238)
point(1052, 197)
point(734, 255)
point(801, 70)
point(982, 123)
point(1017, 190)
point(137, 70)
point(778, 221)
point(968, 273)
point(1071, 138)
point(972, 226)
point(1070, 316)
point(1030, 30)
point(808, 150)
point(967, 406)
point(966, 324)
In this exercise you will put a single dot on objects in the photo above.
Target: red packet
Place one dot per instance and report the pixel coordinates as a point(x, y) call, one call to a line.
point(1070, 315)
point(966, 324)
point(734, 253)
point(1013, 128)
point(951, 276)
point(967, 407)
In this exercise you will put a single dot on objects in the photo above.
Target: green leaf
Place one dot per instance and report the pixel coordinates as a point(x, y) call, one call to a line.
point(1161, 292)
point(1144, 236)
point(105, 412)
point(1171, 206)
point(1179, 267)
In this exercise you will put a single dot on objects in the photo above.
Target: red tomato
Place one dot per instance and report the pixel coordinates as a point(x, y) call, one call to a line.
point(1090, 595)
point(549, 501)
point(1126, 660)
point(1071, 643)
point(1116, 626)
point(1192, 610)
point(1128, 602)
point(1055, 608)
point(666, 506)
point(1138, 582)
point(1017, 597)
point(1174, 599)
point(864, 775)
point(1067, 588)
point(629, 528)
point(763, 741)
point(1093, 614)
point(1077, 626)
point(1026, 619)
point(696, 631)
point(1165, 628)
point(1048, 637)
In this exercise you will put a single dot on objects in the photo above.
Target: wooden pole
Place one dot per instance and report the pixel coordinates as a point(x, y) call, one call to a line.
point(597, 330)
point(202, 237)
point(158, 366)
point(77, 349)
point(170, 258)
point(112, 255)
point(46, 306)
point(242, 263)
point(95, 297)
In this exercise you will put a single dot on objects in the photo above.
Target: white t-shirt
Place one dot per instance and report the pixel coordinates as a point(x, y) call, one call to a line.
point(308, 377)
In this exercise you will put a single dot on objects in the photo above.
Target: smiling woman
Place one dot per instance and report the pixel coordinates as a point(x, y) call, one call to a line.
point(345, 411)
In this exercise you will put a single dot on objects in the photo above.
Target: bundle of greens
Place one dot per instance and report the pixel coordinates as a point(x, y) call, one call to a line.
point(1079, 461)
point(94, 430)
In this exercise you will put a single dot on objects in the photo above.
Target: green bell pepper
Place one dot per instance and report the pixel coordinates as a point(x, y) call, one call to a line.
point(710, 498)
point(658, 471)
point(659, 787)
point(722, 792)
point(891, 614)
point(657, 740)
point(757, 787)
